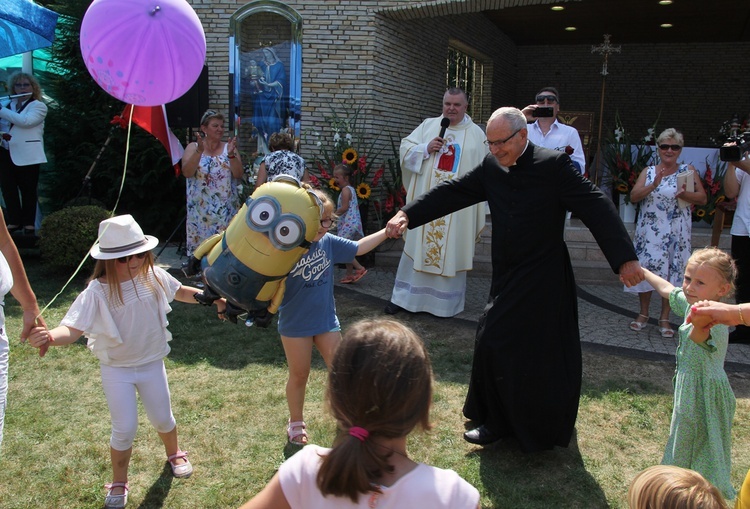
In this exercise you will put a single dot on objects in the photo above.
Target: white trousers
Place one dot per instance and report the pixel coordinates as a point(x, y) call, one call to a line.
point(120, 386)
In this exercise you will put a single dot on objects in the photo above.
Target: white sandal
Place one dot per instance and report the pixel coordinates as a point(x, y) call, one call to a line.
point(666, 332)
point(116, 501)
point(183, 470)
point(637, 326)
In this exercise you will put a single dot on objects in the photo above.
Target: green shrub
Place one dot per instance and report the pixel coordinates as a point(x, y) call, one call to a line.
point(67, 235)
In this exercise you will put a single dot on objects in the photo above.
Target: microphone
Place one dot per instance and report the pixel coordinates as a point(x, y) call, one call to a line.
point(444, 125)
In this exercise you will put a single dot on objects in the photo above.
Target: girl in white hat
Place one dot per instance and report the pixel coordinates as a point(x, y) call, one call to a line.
point(123, 313)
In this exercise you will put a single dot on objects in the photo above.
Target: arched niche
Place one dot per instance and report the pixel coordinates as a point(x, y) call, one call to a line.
point(265, 72)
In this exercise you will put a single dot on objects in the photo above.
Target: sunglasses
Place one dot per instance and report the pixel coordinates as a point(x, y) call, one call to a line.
point(673, 147)
point(208, 114)
point(549, 98)
point(326, 223)
point(125, 259)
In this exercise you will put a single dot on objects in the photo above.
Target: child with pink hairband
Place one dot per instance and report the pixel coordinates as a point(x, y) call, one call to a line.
point(379, 390)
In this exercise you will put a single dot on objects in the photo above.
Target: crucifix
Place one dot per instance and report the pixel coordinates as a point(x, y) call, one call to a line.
point(603, 49)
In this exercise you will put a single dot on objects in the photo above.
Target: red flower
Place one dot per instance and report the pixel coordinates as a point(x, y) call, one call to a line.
point(569, 150)
point(323, 173)
point(362, 164)
point(6, 136)
point(389, 203)
point(378, 176)
point(314, 180)
point(118, 121)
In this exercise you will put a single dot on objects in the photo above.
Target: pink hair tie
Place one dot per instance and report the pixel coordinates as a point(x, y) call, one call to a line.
point(359, 433)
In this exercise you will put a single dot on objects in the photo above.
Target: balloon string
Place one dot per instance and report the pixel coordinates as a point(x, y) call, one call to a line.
point(119, 195)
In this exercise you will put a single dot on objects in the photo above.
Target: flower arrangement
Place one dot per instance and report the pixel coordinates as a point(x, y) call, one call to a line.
point(392, 193)
point(713, 183)
point(625, 158)
point(347, 145)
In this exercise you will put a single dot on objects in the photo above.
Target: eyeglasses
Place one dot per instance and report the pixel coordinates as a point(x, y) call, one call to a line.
point(673, 147)
point(549, 98)
point(125, 259)
point(22, 85)
point(326, 223)
point(500, 143)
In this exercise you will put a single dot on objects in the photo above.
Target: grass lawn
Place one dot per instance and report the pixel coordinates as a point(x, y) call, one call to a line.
point(227, 383)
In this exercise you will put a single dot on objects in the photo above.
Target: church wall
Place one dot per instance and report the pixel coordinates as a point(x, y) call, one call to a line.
point(393, 66)
point(694, 86)
point(352, 57)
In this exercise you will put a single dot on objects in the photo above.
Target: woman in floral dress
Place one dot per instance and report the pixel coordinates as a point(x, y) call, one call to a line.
point(663, 232)
point(210, 165)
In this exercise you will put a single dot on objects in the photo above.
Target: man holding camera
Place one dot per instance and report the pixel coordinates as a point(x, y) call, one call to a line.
point(547, 132)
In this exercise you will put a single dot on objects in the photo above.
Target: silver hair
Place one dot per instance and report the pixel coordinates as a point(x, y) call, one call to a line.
point(513, 116)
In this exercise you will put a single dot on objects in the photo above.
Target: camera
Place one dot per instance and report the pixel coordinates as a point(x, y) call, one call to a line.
point(543, 111)
point(735, 147)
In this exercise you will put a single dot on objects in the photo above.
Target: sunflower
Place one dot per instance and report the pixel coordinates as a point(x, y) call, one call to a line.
point(700, 212)
point(349, 156)
point(623, 188)
point(363, 191)
point(332, 185)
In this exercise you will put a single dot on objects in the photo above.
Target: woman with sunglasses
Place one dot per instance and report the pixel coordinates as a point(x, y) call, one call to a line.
point(22, 152)
point(123, 312)
point(210, 165)
point(663, 232)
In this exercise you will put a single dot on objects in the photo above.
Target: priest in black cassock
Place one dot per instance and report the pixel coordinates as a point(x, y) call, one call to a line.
point(526, 374)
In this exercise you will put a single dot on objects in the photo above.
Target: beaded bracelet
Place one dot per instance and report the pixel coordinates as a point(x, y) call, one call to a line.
point(739, 310)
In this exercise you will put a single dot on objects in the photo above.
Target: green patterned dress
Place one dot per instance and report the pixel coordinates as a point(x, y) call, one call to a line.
point(700, 436)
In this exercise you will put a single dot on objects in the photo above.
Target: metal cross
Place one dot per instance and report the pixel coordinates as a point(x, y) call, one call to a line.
point(605, 49)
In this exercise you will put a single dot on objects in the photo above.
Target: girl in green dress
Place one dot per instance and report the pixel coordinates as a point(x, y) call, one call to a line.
point(700, 436)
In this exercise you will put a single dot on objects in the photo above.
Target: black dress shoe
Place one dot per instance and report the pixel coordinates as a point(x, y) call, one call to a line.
point(481, 436)
point(392, 309)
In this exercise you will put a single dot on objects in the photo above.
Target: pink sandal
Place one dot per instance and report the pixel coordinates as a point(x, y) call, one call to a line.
point(183, 470)
point(359, 274)
point(296, 431)
point(116, 501)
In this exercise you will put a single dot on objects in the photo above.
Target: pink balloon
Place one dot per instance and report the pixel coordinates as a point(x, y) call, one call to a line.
point(143, 52)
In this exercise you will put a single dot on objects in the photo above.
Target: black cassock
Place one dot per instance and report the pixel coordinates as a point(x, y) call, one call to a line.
point(526, 374)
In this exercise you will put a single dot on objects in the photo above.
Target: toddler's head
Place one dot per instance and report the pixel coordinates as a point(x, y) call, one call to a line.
point(342, 173)
point(709, 275)
point(670, 487)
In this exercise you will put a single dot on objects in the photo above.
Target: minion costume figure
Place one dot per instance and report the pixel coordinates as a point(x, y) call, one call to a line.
point(248, 263)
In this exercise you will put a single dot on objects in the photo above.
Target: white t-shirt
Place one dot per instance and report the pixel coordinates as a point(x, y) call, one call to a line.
point(557, 138)
point(130, 334)
point(741, 221)
point(425, 486)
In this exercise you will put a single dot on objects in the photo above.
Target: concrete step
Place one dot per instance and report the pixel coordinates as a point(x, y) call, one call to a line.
point(589, 264)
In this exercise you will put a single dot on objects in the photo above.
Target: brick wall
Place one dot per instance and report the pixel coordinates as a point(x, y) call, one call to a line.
point(695, 87)
point(354, 56)
point(363, 53)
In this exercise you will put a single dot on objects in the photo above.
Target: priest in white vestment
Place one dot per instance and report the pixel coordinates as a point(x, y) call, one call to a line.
point(431, 274)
